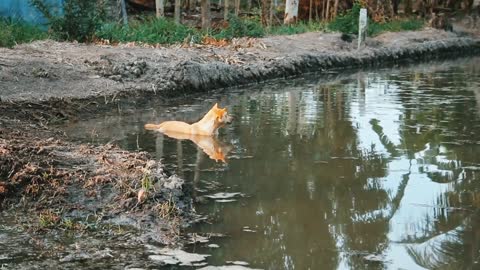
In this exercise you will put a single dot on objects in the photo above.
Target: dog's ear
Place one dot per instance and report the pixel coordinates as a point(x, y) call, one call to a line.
point(220, 113)
point(215, 106)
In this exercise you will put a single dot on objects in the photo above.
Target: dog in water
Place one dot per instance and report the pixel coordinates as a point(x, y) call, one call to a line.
point(207, 126)
point(201, 133)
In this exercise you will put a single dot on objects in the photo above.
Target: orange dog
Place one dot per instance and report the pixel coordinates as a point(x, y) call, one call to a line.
point(207, 126)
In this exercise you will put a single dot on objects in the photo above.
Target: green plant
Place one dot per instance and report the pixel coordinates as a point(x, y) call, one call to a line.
point(48, 219)
point(14, 32)
point(348, 23)
point(148, 30)
point(78, 19)
point(238, 27)
point(298, 28)
point(147, 183)
point(395, 26)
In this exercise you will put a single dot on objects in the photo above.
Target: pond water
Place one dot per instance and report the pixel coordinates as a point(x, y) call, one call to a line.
point(378, 169)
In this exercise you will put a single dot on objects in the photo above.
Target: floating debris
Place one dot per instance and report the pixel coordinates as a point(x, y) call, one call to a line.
point(225, 200)
point(164, 259)
point(213, 246)
point(374, 258)
point(247, 229)
point(176, 256)
point(227, 267)
point(238, 263)
point(196, 238)
point(223, 195)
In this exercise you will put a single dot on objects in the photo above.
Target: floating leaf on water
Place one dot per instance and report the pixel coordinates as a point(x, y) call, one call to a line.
point(238, 263)
point(223, 195)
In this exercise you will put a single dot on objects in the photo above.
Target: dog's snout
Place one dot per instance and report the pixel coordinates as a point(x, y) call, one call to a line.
point(229, 119)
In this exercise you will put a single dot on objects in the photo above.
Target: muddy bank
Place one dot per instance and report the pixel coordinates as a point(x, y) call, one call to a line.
point(45, 70)
point(56, 184)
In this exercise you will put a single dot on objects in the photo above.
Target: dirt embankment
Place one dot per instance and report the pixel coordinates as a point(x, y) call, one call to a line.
point(55, 181)
point(44, 70)
point(44, 82)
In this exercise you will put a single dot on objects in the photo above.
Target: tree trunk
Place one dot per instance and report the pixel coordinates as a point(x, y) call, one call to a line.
point(265, 11)
point(249, 5)
point(395, 6)
point(237, 7)
point(310, 10)
point(192, 4)
point(468, 5)
point(270, 13)
point(225, 10)
point(408, 7)
point(291, 12)
point(177, 11)
point(335, 9)
point(324, 8)
point(327, 12)
point(159, 6)
point(124, 12)
point(205, 14)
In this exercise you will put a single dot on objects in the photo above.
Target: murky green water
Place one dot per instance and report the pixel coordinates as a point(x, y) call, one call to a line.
point(370, 170)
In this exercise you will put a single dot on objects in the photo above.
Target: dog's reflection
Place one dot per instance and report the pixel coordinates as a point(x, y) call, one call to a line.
point(210, 145)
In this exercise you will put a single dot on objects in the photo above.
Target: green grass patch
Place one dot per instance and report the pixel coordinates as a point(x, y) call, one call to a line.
point(153, 30)
point(395, 26)
point(348, 23)
point(147, 30)
point(298, 28)
point(14, 32)
point(240, 27)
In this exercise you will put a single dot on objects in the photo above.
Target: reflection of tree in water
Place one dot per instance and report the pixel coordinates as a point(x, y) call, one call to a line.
point(455, 249)
point(317, 158)
point(440, 126)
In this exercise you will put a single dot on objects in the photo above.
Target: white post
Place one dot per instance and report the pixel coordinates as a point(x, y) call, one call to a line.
point(362, 27)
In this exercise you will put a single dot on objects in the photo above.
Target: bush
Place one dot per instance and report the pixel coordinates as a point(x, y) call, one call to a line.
point(14, 32)
point(79, 20)
point(238, 27)
point(149, 30)
point(395, 26)
point(348, 23)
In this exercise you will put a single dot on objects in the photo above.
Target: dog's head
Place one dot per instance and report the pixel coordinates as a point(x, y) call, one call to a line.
point(221, 115)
